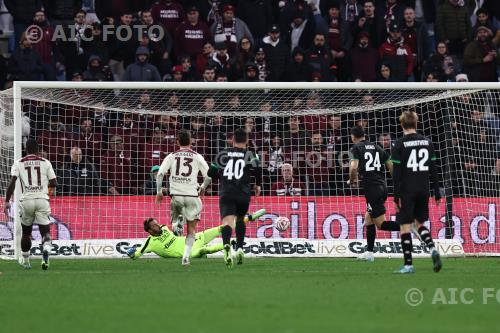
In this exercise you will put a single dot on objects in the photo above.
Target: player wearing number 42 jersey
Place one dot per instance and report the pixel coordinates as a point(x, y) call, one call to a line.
point(414, 169)
point(184, 165)
point(235, 168)
point(367, 160)
point(36, 175)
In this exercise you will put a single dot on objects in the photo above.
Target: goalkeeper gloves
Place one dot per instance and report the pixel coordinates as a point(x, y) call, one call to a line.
point(131, 252)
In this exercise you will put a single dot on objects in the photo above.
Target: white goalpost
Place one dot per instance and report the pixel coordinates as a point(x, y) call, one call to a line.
point(104, 140)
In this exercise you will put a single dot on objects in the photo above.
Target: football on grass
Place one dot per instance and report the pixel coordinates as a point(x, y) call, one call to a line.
point(282, 223)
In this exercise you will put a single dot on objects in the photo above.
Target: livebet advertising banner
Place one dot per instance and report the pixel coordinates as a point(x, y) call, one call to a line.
point(253, 247)
point(476, 220)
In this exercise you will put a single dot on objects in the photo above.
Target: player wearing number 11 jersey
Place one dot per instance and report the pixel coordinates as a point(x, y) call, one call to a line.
point(367, 160)
point(235, 167)
point(183, 167)
point(414, 169)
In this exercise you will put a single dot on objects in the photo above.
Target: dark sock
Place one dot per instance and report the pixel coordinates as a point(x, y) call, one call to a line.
point(389, 226)
point(240, 233)
point(226, 233)
point(407, 247)
point(25, 243)
point(425, 234)
point(371, 232)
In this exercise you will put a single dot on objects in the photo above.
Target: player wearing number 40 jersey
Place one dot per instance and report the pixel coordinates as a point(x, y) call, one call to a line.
point(414, 168)
point(183, 167)
point(36, 176)
point(235, 168)
point(367, 160)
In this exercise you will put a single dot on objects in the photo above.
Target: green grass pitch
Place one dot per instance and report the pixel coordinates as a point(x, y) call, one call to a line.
point(263, 295)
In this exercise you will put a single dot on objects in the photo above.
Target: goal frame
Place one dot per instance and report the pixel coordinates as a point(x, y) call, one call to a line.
point(20, 85)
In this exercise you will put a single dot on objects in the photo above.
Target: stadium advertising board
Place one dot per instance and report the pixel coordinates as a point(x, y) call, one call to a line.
point(320, 219)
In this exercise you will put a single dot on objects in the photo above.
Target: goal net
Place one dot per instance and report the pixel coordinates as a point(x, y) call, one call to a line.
point(105, 142)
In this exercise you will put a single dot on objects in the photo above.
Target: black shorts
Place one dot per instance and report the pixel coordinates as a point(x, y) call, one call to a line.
point(413, 207)
point(233, 205)
point(375, 196)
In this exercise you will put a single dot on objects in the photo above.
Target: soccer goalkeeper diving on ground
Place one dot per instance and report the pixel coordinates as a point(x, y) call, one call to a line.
point(164, 243)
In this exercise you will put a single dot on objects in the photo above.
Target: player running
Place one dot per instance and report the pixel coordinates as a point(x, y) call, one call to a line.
point(235, 167)
point(367, 159)
point(36, 176)
point(183, 167)
point(414, 168)
point(165, 244)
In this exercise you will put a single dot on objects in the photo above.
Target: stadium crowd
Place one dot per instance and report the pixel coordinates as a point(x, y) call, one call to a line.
point(98, 151)
point(253, 40)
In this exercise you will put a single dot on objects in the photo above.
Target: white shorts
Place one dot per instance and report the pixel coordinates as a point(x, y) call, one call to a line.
point(34, 211)
point(188, 207)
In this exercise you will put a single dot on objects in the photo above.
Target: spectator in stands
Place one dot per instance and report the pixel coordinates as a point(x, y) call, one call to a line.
point(25, 63)
point(22, 13)
point(397, 54)
point(385, 73)
point(177, 74)
point(436, 63)
point(150, 184)
point(154, 150)
point(337, 135)
point(202, 59)
point(71, 49)
point(371, 24)
point(301, 30)
point(46, 47)
point(298, 69)
point(79, 176)
point(277, 53)
point(317, 166)
point(168, 13)
point(220, 60)
point(96, 71)
point(61, 12)
point(275, 155)
point(254, 138)
point(288, 186)
point(481, 57)
point(262, 67)
point(350, 10)
point(55, 140)
point(364, 59)
point(117, 168)
point(96, 45)
point(432, 77)
point(295, 136)
point(89, 141)
point(250, 75)
point(199, 135)
point(121, 51)
point(390, 11)
point(230, 30)
point(244, 54)
point(483, 19)
point(189, 73)
point(319, 57)
point(141, 70)
point(339, 35)
point(159, 48)
point(103, 119)
point(208, 74)
point(191, 35)
point(417, 38)
point(258, 15)
point(453, 26)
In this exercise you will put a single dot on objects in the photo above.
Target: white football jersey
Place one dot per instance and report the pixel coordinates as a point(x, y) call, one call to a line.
point(34, 173)
point(184, 166)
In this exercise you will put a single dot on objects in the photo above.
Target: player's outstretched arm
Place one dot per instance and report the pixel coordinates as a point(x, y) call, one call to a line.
point(9, 193)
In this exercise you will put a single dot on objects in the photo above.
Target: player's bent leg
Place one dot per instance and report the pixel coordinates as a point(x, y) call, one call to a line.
point(425, 236)
point(226, 232)
point(240, 239)
point(26, 246)
point(190, 240)
point(206, 249)
point(176, 217)
point(209, 235)
point(406, 244)
point(371, 232)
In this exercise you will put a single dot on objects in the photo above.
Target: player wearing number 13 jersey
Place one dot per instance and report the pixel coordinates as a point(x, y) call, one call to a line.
point(184, 165)
point(235, 167)
point(367, 160)
point(36, 175)
point(414, 168)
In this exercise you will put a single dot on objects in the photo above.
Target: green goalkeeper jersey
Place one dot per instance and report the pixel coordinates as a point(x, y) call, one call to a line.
point(166, 245)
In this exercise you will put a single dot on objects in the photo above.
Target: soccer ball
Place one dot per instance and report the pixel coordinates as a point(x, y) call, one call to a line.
point(282, 223)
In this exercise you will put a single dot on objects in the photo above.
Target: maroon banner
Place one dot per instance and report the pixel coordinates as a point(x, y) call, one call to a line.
point(475, 219)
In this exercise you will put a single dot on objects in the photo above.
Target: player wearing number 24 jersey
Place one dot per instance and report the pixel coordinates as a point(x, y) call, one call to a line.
point(368, 160)
point(414, 169)
point(36, 175)
point(184, 165)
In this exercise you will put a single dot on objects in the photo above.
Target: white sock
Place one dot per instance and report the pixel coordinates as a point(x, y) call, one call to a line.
point(26, 256)
point(47, 246)
point(189, 244)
